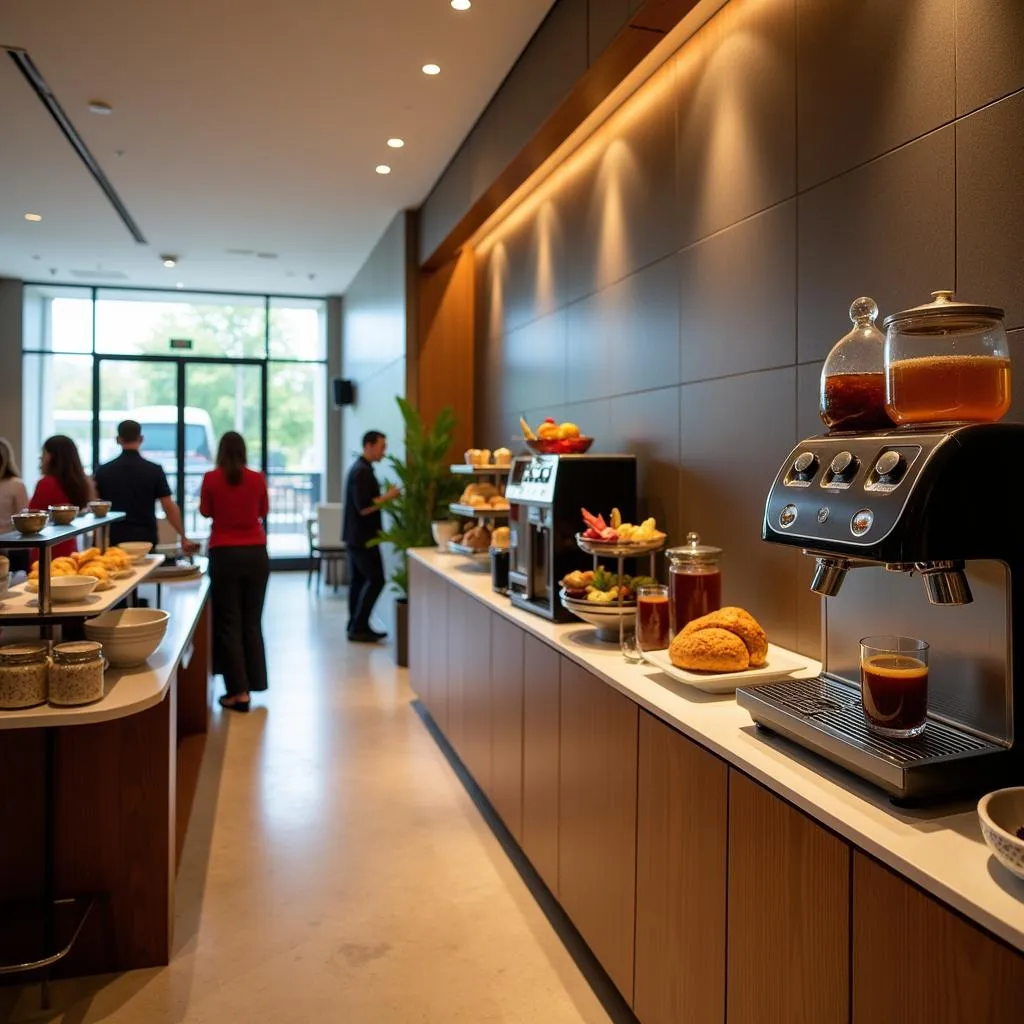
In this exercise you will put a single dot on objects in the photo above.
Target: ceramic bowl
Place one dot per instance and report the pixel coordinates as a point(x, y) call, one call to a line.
point(1001, 814)
point(99, 508)
point(442, 531)
point(67, 589)
point(63, 515)
point(563, 446)
point(129, 635)
point(136, 549)
point(30, 520)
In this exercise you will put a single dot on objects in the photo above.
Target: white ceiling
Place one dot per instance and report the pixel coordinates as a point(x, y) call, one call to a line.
point(237, 124)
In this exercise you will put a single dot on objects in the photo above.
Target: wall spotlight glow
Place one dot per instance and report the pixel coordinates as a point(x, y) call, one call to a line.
point(431, 69)
point(461, 5)
point(396, 143)
point(382, 169)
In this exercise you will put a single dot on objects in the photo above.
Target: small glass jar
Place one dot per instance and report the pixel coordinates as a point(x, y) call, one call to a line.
point(852, 393)
point(76, 673)
point(946, 362)
point(694, 582)
point(24, 670)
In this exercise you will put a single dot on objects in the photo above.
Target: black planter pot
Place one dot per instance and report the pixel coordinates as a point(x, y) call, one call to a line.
point(402, 631)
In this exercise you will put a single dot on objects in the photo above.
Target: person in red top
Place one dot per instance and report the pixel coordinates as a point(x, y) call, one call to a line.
point(235, 499)
point(63, 483)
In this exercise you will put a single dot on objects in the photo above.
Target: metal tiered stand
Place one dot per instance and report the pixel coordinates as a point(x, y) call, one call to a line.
point(53, 951)
point(620, 552)
point(497, 474)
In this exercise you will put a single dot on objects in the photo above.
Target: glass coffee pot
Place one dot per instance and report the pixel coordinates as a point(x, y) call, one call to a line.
point(694, 582)
point(947, 362)
point(853, 377)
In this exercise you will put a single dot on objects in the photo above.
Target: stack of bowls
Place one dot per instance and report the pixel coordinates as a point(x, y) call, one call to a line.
point(129, 635)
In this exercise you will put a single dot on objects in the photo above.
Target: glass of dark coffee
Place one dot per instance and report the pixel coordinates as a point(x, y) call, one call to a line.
point(894, 685)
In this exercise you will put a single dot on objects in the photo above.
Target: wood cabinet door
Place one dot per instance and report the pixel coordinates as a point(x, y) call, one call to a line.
point(420, 592)
point(454, 729)
point(541, 687)
point(506, 786)
point(437, 647)
point(475, 632)
point(681, 879)
point(597, 818)
point(916, 962)
point(789, 919)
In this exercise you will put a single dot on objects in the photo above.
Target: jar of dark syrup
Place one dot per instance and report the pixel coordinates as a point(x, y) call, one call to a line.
point(853, 377)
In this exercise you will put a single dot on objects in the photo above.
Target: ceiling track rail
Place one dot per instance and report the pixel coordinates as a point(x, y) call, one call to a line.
point(38, 84)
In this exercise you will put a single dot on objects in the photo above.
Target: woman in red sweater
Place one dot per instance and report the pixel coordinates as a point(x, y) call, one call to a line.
point(63, 483)
point(235, 499)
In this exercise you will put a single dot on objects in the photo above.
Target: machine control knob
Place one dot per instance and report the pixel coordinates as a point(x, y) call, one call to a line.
point(844, 465)
point(787, 517)
point(890, 466)
point(804, 465)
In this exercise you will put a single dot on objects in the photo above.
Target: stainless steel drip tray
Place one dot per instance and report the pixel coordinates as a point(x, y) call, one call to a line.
point(826, 716)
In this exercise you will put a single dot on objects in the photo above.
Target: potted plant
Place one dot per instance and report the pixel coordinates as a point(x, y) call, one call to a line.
point(427, 488)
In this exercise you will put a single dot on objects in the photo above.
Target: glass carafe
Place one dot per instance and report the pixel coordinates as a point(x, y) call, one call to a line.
point(853, 378)
point(694, 582)
point(947, 362)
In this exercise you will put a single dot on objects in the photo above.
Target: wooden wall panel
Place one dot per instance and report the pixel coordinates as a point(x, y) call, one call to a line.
point(682, 851)
point(475, 653)
point(915, 962)
point(597, 818)
point(789, 922)
point(506, 788)
point(541, 686)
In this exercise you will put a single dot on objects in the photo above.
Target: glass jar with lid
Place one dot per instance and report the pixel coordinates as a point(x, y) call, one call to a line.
point(946, 362)
point(852, 393)
point(76, 673)
point(24, 670)
point(694, 581)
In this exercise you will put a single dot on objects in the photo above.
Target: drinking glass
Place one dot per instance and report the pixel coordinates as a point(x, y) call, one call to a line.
point(652, 617)
point(894, 685)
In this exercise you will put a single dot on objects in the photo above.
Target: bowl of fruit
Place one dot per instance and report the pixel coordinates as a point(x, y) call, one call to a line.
point(552, 438)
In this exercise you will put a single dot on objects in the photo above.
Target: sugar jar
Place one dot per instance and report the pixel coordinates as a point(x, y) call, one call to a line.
point(76, 673)
point(24, 670)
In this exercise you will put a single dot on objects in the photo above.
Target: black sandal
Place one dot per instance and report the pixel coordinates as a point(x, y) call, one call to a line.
point(232, 703)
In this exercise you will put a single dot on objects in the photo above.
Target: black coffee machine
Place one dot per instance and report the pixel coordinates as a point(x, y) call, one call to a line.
point(545, 495)
point(875, 510)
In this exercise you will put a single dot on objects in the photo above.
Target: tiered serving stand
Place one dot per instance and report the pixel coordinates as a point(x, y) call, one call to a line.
point(482, 514)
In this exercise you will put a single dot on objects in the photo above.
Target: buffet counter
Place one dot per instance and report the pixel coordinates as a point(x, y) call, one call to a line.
point(775, 859)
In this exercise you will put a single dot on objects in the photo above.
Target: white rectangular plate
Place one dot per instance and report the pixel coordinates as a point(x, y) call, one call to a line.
point(780, 663)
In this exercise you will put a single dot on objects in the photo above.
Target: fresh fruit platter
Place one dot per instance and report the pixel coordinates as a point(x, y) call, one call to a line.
point(616, 532)
point(552, 438)
point(600, 586)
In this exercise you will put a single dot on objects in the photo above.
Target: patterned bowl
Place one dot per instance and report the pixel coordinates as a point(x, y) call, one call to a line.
point(1001, 814)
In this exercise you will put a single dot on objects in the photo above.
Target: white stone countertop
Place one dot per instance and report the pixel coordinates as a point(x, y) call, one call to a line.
point(940, 848)
point(131, 690)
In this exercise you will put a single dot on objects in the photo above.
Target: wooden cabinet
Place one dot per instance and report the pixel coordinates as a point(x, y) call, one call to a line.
point(915, 962)
point(541, 687)
point(474, 653)
point(789, 920)
point(436, 698)
point(597, 818)
point(454, 729)
point(421, 585)
point(682, 846)
point(506, 785)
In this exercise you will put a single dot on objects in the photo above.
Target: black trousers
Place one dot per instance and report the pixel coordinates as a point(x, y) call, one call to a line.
point(238, 588)
point(365, 583)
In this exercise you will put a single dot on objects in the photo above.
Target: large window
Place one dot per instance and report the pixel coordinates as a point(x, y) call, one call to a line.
point(211, 356)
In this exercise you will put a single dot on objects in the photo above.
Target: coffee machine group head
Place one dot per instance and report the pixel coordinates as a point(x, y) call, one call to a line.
point(545, 495)
point(885, 514)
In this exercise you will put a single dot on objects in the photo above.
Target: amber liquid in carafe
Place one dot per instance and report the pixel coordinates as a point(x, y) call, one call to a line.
point(855, 401)
point(693, 594)
point(936, 389)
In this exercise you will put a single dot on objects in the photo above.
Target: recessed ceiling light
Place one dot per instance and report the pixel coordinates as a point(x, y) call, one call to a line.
point(431, 69)
point(180, 284)
point(461, 5)
point(396, 143)
point(382, 169)
point(169, 261)
point(99, 107)
point(33, 217)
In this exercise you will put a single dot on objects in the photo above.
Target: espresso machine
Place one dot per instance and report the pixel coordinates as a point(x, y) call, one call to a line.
point(545, 495)
point(913, 532)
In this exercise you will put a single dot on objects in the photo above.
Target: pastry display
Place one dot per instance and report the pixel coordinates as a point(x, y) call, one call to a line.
point(502, 457)
point(476, 537)
point(501, 537)
point(727, 640)
point(105, 566)
point(483, 496)
point(618, 532)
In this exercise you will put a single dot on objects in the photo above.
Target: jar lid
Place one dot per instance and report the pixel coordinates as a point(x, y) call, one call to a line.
point(694, 551)
point(943, 307)
point(77, 650)
point(23, 652)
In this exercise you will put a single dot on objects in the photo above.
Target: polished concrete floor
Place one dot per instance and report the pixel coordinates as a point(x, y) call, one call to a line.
point(335, 868)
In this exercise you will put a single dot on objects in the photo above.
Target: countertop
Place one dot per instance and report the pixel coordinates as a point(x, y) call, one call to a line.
point(939, 848)
point(131, 690)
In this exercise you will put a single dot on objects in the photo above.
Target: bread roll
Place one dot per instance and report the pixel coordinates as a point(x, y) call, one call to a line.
point(709, 650)
point(738, 621)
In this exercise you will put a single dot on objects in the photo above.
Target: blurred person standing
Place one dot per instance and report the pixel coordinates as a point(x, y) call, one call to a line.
point(13, 498)
point(63, 483)
point(235, 499)
point(362, 523)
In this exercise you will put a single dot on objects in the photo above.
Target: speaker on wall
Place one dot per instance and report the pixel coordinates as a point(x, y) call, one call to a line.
point(344, 392)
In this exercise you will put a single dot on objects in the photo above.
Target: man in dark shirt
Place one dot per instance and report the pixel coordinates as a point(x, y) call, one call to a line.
point(134, 485)
point(361, 525)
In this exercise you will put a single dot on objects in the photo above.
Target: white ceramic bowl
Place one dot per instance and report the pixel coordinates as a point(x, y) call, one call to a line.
point(128, 652)
point(442, 531)
point(66, 589)
point(1001, 813)
point(604, 616)
point(129, 621)
point(136, 549)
